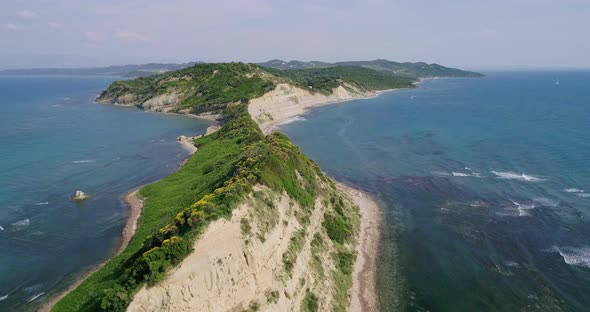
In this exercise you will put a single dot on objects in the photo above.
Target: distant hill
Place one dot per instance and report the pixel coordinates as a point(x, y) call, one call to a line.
point(132, 71)
point(412, 70)
point(211, 87)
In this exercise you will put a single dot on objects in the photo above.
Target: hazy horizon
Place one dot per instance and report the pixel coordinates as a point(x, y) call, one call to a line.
point(525, 34)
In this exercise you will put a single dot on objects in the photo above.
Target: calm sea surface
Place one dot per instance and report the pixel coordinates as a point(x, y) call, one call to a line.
point(485, 186)
point(55, 140)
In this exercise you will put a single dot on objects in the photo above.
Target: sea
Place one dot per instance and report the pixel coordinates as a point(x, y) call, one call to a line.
point(484, 185)
point(55, 140)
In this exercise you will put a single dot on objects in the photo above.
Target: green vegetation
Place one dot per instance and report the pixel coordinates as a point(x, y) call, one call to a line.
point(253, 307)
point(202, 88)
point(412, 70)
point(338, 228)
point(344, 262)
point(324, 80)
point(213, 87)
point(229, 162)
point(272, 296)
point(310, 302)
point(265, 213)
point(177, 208)
point(295, 246)
point(317, 246)
point(341, 225)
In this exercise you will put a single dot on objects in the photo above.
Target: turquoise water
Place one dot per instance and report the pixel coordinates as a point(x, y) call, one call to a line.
point(55, 140)
point(485, 187)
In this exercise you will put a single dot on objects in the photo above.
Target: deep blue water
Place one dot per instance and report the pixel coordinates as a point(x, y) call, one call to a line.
point(484, 183)
point(55, 140)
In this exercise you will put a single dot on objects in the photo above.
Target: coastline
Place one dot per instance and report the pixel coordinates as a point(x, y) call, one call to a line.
point(135, 205)
point(364, 277)
point(275, 124)
point(363, 290)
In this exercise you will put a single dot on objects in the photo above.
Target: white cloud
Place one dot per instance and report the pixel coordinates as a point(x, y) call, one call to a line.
point(11, 26)
point(131, 36)
point(95, 36)
point(26, 14)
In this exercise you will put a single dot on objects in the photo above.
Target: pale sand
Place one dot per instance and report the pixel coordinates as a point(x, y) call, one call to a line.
point(135, 205)
point(364, 294)
point(286, 102)
point(225, 274)
point(188, 142)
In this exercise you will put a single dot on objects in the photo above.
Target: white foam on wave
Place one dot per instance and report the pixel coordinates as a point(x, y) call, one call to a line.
point(546, 202)
point(573, 190)
point(35, 297)
point(510, 263)
point(3, 297)
point(83, 161)
point(1, 228)
point(291, 120)
point(523, 209)
point(574, 256)
point(42, 203)
point(462, 174)
point(510, 175)
point(441, 173)
point(21, 223)
point(585, 195)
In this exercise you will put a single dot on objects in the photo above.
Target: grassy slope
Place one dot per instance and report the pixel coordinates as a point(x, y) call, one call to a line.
point(207, 187)
point(326, 79)
point(163, 199)
point(210, 184)
point(210, 87)
point(203, 87)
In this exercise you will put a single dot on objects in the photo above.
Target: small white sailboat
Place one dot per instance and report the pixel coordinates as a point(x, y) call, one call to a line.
point(557, 81)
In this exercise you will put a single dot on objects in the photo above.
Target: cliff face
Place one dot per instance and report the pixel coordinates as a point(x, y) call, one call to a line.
point(249, 222)
point(272, 254)
point(287, 101)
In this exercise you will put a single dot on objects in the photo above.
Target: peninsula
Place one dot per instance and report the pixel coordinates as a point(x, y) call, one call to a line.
point(248, 223)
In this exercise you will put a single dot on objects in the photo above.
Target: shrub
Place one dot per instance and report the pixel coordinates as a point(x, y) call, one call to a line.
point(115, 299)
point(338, 229)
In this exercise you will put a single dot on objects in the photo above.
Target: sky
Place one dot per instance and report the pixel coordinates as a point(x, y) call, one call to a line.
point(471, 34)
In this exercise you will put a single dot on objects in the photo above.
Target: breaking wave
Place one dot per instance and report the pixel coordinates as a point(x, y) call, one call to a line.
point(509, 175)
point(35, 297)
point(19, 225)
point(462, 174)
point(574, 256)
point(573, 190)
point(42, 203)
point(83, 161)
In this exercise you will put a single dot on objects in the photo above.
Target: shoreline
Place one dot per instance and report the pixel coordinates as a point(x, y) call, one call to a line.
point(135, 205)
point(363, 290)
point(275, 124)
point(364, 275)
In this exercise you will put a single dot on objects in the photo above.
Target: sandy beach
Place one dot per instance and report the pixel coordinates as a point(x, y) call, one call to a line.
point(364, 292)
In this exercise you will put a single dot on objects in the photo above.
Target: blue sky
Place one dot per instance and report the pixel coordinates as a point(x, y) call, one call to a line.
point(471, 34)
